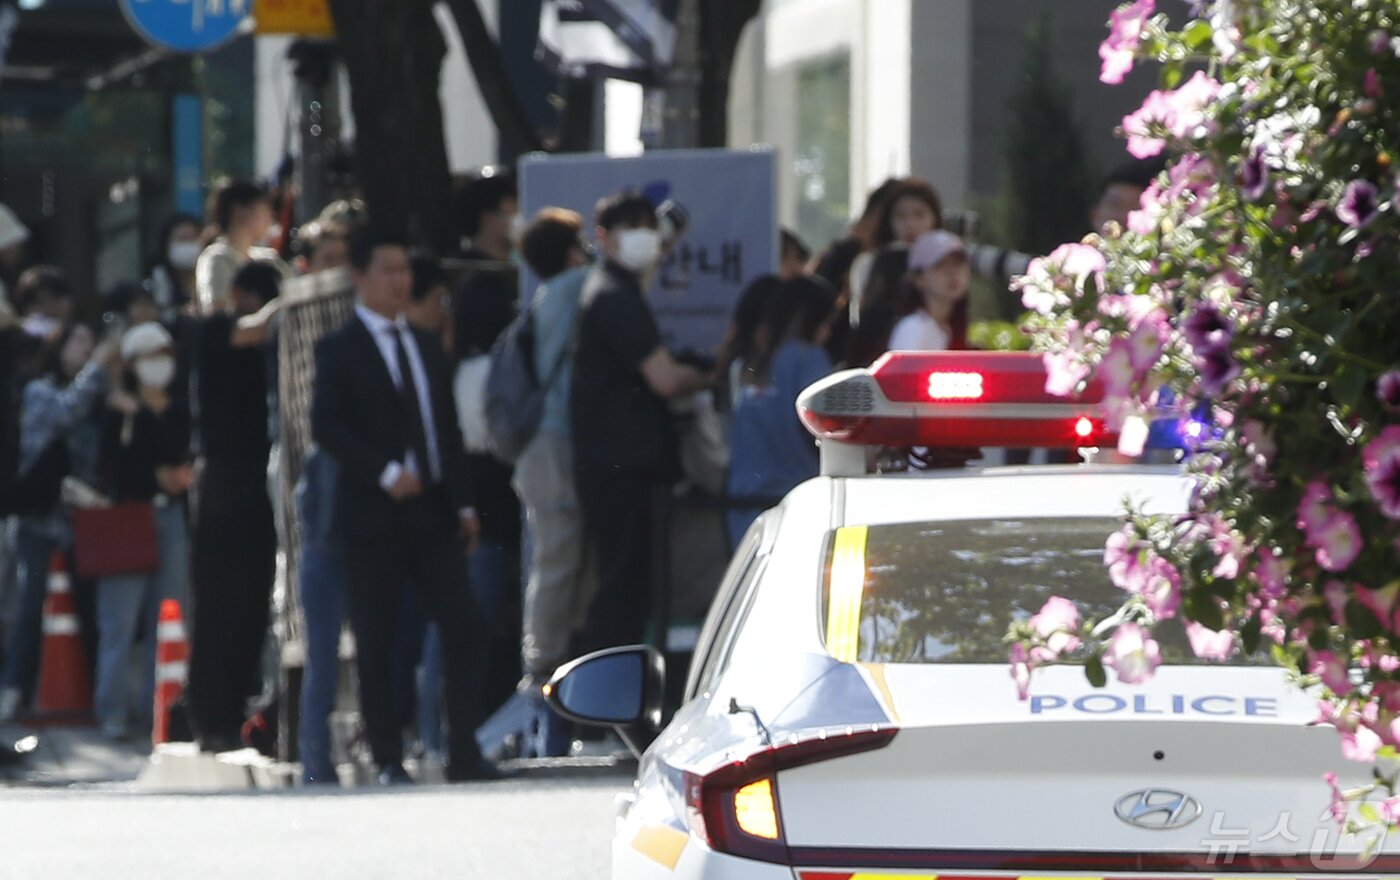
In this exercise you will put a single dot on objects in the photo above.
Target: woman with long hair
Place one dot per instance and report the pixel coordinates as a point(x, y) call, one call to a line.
point(57, 440)
point(933, 304)
point(771, 453)
point(913, 208)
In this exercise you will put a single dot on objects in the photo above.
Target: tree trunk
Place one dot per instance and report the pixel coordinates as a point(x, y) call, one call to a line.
point(518, 135)
point(394, 53)
point(722, 24)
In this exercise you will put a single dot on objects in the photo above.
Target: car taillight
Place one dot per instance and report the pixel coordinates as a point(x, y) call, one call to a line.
point(736, 808)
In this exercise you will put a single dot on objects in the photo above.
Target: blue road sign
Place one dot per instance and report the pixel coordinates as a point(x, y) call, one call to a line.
point(187, 25)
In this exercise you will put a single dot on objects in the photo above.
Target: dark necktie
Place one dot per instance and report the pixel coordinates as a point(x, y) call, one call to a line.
point(408, 390)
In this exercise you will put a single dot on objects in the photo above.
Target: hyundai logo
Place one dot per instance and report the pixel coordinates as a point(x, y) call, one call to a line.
point(1158, 809)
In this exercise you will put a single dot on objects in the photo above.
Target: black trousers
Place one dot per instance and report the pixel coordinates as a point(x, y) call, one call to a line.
point(416, 549)
point(233, 565)
point(618, 513)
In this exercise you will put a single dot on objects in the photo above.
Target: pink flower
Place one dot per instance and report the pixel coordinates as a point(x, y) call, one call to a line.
point(1270, 573)
point(1338, 541)
point(1378, 41)
point(1382, 603)
point(1063, 373)
point(1329, 667)
point(1209, 644)
point(1315, 507)
point(1133, 654)
point(1360, 745)
point(1228, 546)
point(1147, 341)
point(1021, 670)
point(1146, 126)
point(1339, 801)
point(1057, 623)
point(1116, 370)
point(1188, 105)
point(1145, 219)
point(1388, 391)
point(1161, 589)
point(1117, 52)
point(1385, 444)
point(1335, 595)
point(1123, 556)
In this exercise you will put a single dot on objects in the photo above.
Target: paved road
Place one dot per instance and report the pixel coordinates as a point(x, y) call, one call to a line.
point(556, 829)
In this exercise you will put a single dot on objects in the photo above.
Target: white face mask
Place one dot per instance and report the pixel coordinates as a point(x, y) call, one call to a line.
point(156, 372)
point(184, 254)
point(638, 249)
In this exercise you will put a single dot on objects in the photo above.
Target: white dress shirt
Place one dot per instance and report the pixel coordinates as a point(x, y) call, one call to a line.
point(384, 332)
point(918, 331)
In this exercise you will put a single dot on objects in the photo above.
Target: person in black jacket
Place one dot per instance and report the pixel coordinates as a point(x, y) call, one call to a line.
point(383, 408)
point(233, 550)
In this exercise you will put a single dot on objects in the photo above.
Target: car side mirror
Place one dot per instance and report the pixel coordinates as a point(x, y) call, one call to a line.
point(622, 688)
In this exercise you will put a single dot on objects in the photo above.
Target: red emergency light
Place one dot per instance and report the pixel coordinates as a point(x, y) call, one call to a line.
point(953, 399)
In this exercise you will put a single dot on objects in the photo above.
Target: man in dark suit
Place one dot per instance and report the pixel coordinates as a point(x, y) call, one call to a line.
point(383, 408)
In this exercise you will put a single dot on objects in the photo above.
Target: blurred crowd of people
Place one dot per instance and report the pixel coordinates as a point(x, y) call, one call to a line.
point(457, 568)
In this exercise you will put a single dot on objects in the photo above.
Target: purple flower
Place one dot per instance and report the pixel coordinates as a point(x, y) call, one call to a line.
point(1358, 205)
point(1206, 328)
point(1217, 368)
point(1379, 42)
point(1371, 84)
point(1388, 391)
point(1125, 34)
point(1384, 482)
point(1254, 176)
point(1381, 458)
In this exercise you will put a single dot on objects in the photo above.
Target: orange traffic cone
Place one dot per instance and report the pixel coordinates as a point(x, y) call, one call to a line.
point(172, 653)
point(65, 688)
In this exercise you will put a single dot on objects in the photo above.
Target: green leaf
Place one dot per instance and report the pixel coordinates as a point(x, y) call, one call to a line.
point(1171, 75)
point(1350, 385)
point(1198, 33)
point(1204, 607)
point(1361, 622)
point(1318, 640)
point(1094, 671)
point(1367, 811)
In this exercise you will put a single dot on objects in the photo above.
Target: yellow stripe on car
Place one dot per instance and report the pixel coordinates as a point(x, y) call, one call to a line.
point(661, 844)
point(846, 589)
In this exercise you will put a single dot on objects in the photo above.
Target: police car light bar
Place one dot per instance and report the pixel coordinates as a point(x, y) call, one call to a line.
point(953, 399)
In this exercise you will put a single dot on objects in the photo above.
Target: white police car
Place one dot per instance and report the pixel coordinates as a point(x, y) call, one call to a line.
point(849, 711)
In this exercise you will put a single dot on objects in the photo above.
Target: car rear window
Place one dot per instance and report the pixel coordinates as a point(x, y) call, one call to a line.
point(945, 592)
